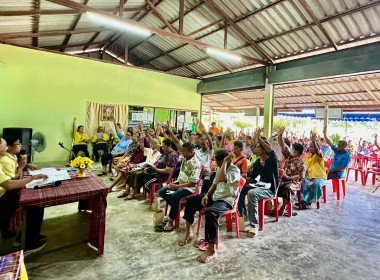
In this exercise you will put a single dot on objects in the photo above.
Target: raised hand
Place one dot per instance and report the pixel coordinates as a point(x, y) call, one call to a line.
point(281, 132)
point(169, 126)
point(74, 119)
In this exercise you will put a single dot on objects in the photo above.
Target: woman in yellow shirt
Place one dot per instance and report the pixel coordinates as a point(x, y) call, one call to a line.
point(80, 140)
point(311, 189)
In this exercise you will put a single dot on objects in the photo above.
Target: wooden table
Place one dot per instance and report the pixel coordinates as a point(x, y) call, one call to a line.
point(89, 191)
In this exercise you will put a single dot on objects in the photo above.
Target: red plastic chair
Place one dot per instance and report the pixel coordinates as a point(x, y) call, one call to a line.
point(228, 215)
point(154, 185)
point(359, 166)
point(373, 170)
point(183, 200)
point(264, 209)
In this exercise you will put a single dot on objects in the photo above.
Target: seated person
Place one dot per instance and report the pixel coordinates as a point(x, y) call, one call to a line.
point(363, 149)
point(341, 159)
point(240, 160)
point(219, 199)
point(266, 166)
point(100, 140)
point(184, 185)
point(213, 129)
point(120, 149)
point(325, 149)
point(80, 140)
point(161, 171)
point(293, 172)
point(315, 178)
point(247, 152)
point(12, 166)
point(225, 142)
point(204, 156)
point(9, 198)
point(133, 157)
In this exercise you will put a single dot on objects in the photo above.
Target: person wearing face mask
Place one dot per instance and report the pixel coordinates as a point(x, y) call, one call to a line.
point(80, 140)
point(293, 172)
point(9, 198)
point(119, 150)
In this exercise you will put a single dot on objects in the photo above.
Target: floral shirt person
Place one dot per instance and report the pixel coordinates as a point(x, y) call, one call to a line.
point(189, 172)
point(293, 166)
point(169, 159)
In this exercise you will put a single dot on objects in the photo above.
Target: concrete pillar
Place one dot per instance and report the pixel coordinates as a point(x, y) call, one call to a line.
point(268, 104)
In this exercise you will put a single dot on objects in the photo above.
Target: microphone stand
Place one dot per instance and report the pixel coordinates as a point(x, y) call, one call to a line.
point(63, 147)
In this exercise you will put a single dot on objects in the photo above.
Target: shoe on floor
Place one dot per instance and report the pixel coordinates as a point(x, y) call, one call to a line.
point(38, 246)
point(102, 174)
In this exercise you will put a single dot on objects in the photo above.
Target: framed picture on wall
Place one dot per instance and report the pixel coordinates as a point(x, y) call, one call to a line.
point(108, 113)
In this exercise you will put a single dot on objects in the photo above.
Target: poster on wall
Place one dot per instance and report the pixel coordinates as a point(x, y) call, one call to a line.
point(181, 118)
point(134, 116)
point(150, 117)
point(144, 116)
point(108, 113)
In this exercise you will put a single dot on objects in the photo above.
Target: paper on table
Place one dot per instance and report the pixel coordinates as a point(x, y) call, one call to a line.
point(53, 176)
point(38, 183)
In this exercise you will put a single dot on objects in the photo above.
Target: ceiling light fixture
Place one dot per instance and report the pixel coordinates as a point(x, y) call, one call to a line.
point(222, 54)
point(119, 24)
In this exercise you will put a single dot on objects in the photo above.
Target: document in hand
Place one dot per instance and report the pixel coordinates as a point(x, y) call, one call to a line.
point(259, 184)
point(100, 135)
point(145, 164)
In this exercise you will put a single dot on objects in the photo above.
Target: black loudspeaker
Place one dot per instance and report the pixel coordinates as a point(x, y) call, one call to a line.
point(25, 135)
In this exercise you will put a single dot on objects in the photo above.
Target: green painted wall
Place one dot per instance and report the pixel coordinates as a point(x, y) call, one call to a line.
point(45, 91)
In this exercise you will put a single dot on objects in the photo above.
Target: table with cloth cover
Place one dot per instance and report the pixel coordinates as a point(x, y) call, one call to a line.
point(89, 191)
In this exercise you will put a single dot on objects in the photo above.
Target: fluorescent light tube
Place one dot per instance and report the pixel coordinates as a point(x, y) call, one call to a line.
point(222, 54)
point(119, 24)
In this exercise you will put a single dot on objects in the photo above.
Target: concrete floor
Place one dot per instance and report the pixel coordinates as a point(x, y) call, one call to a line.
point(339, 241)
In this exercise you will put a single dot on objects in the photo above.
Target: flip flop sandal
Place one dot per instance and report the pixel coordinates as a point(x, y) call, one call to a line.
point(203, 246)
point(159, 228)
point(168, 230)
point(200, 242)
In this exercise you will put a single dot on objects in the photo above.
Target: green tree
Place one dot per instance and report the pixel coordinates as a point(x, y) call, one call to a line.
point(242, 125)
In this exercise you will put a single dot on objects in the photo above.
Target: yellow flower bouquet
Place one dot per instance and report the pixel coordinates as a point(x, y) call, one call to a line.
point(81, 164)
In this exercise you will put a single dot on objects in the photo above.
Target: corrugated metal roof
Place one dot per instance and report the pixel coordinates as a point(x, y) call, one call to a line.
point(50, 41)
point(283, 29)
point(12, 5)
point(46, 5)
point(337, 92)
point(15, 24)
point(56, 22)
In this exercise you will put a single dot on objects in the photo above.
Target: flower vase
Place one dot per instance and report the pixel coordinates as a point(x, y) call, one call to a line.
point(81, 173)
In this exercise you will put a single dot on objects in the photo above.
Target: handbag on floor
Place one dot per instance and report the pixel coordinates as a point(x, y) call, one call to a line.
point(156, 204)
point(241, 223)
point(158, 218)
